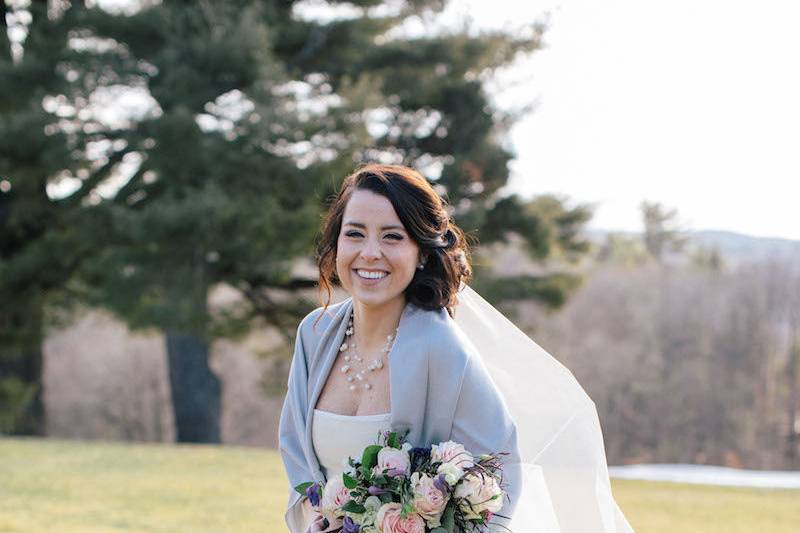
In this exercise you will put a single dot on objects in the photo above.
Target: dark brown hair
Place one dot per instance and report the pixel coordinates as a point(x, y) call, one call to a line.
point(423, 214)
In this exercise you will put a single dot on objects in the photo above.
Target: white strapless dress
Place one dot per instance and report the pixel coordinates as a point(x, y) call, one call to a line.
point(337, 437)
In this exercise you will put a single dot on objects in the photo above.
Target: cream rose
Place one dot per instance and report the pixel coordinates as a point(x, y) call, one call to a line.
point(393, 459)
point(389, 520)
point(334, 495)
point(429, 502)
point(452, 452)
point(482, 492)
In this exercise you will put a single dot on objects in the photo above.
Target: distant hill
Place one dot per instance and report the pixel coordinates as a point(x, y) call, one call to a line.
point(742, 247)
point(736, 247)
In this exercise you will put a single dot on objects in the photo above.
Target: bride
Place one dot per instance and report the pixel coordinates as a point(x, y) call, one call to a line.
point(415, 349)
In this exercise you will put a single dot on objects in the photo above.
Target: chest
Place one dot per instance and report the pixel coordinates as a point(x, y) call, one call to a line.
point(344, 393)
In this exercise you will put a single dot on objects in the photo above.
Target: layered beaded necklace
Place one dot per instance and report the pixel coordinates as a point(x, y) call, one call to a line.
point(359, 379)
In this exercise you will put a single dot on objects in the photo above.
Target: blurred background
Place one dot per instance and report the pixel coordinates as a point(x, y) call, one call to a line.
point(627, 170)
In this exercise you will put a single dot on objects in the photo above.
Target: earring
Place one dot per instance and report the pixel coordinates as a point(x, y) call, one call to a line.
point(420, 266)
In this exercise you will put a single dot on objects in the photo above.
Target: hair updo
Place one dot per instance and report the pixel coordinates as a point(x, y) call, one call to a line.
point(424, 215)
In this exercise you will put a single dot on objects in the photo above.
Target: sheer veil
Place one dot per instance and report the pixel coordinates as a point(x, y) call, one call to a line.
point(565, 487)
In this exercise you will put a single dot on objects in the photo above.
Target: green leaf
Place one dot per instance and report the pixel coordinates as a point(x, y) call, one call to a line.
point(301, 488)
point(349, 481)
point(438, 530)
point(392, 440)
point(449, 519)
point(354, 507)
point(370, 456)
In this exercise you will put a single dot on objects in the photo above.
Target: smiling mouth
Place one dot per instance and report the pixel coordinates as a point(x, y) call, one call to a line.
point(367, 274)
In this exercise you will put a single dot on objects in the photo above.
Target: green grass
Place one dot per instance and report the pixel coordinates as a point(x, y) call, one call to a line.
point(654, 507)
point(91, 487)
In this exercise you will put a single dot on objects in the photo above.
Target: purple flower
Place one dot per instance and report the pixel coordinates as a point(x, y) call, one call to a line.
point(374, 491)
point(348, 526)
point(418, 456)
point(313, 494)
point(396, 472)
point(440, 483)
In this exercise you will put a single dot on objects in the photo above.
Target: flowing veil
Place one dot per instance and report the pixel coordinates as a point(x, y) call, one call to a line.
point(565, 485)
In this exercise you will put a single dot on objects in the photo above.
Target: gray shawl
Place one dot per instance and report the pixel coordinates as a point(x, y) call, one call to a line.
point(439, 387)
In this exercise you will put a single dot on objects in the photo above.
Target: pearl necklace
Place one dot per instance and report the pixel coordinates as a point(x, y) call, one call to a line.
point(375, 365)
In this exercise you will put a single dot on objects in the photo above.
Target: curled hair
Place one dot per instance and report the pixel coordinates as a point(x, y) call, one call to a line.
point(424, 215)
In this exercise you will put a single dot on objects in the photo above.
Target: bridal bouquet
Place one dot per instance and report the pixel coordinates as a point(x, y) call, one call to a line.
point(396, 488)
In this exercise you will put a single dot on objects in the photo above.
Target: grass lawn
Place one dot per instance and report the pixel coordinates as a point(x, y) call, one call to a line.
point(90, 487)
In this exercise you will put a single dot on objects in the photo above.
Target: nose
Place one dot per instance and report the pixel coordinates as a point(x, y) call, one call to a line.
point(371, 250)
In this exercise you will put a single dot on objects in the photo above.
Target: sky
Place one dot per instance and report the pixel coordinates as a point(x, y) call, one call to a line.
point(693, 104)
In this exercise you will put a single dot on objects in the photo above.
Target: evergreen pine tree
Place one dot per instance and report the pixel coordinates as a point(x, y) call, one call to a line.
point(251, 115)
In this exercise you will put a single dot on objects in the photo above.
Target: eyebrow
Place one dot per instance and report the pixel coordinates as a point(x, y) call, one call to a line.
point(360, 225)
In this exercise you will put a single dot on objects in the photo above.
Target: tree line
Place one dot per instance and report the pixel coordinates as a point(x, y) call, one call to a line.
point(690, 358)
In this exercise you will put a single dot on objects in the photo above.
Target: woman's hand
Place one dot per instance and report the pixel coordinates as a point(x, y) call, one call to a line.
point(319, 525)
point(316, 522)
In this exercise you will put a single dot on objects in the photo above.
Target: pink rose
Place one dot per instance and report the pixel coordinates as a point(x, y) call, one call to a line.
point(334, 495)
point(482, 492)
point(452, 452)
point(429, 501)
point(389, 520)
point(393, 459)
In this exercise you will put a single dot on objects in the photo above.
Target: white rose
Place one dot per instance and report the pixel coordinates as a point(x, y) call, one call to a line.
point(451, 472)
point(482, 492)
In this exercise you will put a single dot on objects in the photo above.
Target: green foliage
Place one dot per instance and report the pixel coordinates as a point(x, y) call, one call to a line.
point(623, 250)
point(370, 457)
point(550, 290)
point(662, 233)
point(15, 395)
point(229, 164)
point(393, 441)
point(448, 517)
point(354, 507)
point(301, 488)
point(349, 481)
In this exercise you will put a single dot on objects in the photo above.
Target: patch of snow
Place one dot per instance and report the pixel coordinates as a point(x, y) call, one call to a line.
point(709, 475)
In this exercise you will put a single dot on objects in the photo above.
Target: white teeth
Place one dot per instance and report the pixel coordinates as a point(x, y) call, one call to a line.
point(371, 275)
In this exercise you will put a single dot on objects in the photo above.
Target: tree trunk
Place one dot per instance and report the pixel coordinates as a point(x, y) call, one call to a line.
point(794, 396)
point(195, 389)
point(21, 404)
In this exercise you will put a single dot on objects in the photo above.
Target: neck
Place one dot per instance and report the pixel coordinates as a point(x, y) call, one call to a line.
point(373, 324)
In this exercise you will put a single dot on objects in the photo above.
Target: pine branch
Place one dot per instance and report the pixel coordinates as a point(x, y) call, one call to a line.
point(94, 179)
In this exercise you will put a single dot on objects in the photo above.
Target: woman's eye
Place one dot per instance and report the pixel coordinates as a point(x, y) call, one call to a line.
point(393, 236)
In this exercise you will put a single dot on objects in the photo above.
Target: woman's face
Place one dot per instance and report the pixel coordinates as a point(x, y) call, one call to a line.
point(376, 258)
